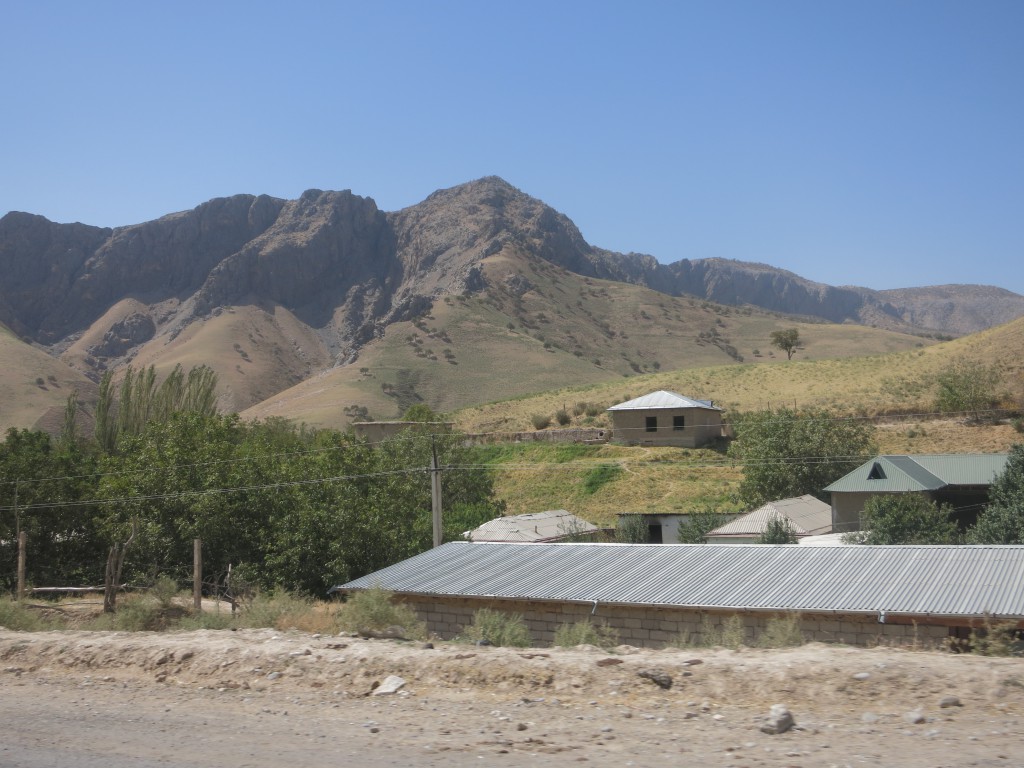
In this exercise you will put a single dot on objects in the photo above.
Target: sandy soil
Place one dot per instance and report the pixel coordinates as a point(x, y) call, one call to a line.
point(266, 698)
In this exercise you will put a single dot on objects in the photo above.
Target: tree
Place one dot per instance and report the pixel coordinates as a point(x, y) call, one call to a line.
point(141, 401)
point(46, 484)
point(786, 453)
point(788, 341)
point(778, 531)
point(965, 387)
point(1002, 521)
point(904, 518)
point(699, 523)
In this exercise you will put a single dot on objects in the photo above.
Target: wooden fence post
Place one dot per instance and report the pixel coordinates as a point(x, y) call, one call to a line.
point(22, 546)
point(197, 575)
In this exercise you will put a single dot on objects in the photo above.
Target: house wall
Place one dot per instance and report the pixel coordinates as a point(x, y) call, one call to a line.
point(654, 627)
point(702, 425)
point(846, 509)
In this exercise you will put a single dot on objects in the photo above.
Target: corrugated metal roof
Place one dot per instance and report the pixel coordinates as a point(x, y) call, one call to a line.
point(806, 514)
point(927, 472)
point(663, 399)
point(533, 526)
point(954, 581)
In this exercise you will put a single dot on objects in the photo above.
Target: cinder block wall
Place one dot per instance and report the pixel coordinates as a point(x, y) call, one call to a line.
point(650, 627)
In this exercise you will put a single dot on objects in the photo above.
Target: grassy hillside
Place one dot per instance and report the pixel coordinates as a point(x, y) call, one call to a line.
point(534, 477)
point(538, 328)
point(899, 382)
point(35, 386)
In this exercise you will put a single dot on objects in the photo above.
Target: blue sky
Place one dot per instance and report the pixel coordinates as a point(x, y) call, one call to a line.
point(861, 143)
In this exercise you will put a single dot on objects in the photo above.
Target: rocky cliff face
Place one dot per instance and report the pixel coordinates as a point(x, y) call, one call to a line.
point(347, 269)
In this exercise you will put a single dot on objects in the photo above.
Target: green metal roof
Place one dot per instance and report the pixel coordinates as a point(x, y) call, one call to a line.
point(930, 472)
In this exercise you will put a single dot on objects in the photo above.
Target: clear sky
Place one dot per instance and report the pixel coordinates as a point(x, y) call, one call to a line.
point(876, 143)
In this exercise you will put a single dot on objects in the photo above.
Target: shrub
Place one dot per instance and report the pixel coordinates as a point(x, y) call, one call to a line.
point(137, 613)
point(996, 639)
point(562, 417)
point(164, 589)
point(498, 628)
point(632, 529)
point(782, 632)
point(375, 610)
point(16, 616)
point(540, 422)
point(728, 634)
point(283, 610)
point(586, 633)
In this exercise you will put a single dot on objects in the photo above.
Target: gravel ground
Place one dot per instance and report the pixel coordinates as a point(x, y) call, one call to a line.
point(265, 698)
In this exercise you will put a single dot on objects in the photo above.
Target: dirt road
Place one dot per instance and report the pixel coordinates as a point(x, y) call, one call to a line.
point(263, 698)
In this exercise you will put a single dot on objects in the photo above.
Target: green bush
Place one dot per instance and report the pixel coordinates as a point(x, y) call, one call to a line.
point(497, 628)
point(782, 632)
point(562, 417)
point(586, 633)
point(375, 610)
point(540, 421)
point(164, 589)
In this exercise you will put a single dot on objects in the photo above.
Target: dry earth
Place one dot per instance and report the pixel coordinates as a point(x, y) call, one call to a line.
point(262, 698)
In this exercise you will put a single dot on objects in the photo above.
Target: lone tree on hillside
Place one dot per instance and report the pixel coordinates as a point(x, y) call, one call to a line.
point(788, 341)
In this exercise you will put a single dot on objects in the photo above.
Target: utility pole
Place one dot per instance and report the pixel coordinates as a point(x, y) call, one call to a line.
point(435, 494)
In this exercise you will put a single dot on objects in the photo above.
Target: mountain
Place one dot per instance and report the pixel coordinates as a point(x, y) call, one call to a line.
point(327, 300)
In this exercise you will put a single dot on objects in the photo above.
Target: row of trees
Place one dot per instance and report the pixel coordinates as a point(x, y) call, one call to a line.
point(283, 505)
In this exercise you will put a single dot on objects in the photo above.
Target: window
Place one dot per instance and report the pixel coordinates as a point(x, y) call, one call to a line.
point(652, 423)
point(678, 423)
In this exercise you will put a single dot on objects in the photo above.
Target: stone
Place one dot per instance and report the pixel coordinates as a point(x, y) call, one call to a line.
point(609, 662)
point(657, 676)
point(950, 701)
point(779, 720)
point(914, 717)
point(861, 676)
point(391, 684)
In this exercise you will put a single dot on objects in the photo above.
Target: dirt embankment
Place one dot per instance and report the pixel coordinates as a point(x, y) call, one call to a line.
point(287, 695)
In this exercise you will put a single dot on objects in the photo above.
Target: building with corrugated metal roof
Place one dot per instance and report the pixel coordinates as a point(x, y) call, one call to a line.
point(657, 594)
point(666, 418)
point(960, 480)
point(805, 515)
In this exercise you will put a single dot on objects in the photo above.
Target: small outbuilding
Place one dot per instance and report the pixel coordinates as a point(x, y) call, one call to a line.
point(805, 515)
point(666, 418)
point(960, 480)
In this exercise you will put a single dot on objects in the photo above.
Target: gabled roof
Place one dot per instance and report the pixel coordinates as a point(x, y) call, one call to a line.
point(806, 514)
point(952, 581)
point(663, 399)
point(928, 472)
point(534, 526)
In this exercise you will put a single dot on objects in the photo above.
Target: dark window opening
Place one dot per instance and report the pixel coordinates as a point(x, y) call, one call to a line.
point(654, 533)
point(876, 473)
point(678, 422)
point(652, 423)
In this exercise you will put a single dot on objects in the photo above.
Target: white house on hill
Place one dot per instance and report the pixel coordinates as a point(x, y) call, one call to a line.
point(666, 418)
